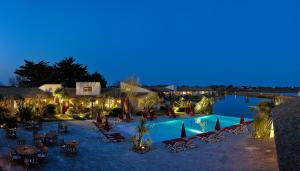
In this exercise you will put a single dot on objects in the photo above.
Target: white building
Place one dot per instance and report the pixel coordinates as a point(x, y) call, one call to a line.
point(50, 87)
point(88, 88)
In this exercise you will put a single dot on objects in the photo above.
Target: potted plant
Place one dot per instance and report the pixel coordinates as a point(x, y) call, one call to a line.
point(138, 145)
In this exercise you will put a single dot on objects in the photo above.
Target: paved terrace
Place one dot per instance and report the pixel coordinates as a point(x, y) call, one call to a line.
point(236, 153)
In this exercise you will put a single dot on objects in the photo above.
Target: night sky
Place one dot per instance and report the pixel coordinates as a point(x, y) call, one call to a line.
point(200, 42)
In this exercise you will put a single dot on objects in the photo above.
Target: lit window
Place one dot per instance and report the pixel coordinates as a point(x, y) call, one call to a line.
point(87, 89)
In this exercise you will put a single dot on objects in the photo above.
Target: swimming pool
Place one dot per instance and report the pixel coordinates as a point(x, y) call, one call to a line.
point(171, 129)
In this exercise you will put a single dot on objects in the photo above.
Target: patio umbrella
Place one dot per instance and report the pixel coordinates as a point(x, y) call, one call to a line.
point(126, 106)
point(183, 133)
point(242, 121)
point(193, 111)
point(106, 125)
point(169, 111)
point(218, 126)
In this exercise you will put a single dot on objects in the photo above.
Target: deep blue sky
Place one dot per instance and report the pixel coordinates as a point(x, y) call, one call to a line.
point(200, 42)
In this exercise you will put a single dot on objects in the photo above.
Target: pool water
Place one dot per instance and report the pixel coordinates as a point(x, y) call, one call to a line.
point(171, 129)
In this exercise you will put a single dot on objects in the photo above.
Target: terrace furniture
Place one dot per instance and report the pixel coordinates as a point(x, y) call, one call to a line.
point(31, 160)
point(190, 144)
point(11, 133)
point(212, 137)
point(21, 142)
point(177, 147)
point(26, 150)
point(62, 145)
point(51, 138)
point(32, 125)
point(42, 154)
point(13, 155)
point(38, 144)
point(237, 129)
point(71, 147)
point(62, 128)
point(115, 137)
point(38, 137)
point(128, 117)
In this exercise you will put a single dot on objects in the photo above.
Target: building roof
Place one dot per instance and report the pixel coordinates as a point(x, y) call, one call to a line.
point(196, 88)
point(12, 92)
point(158, 89)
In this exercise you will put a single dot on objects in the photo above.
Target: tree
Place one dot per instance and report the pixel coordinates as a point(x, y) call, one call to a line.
point(96, 77)
point(68, 72)
point(205, 105)
point(150, 101)
point(62, 96)
point(34, 74)
point(65, 72)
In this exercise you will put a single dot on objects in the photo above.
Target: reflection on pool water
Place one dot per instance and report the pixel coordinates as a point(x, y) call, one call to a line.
point(166, 130)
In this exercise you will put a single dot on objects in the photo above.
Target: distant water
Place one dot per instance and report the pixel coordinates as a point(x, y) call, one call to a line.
point(289, 94)
point(232, 105)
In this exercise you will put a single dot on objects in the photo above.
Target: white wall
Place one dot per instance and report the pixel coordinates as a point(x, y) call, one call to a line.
point(81, 88)
point(50, 87)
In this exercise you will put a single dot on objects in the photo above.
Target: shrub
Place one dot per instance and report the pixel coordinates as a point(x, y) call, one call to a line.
point(50, 109)
point(262, 121)
point(25, 112)
point(205, 105)
point(71, 111)
point(115, 112)
point(8, 121)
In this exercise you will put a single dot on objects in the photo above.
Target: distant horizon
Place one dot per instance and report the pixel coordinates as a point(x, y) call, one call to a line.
point(253, 43)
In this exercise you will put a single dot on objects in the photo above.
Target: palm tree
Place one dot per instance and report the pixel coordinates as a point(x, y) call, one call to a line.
point(138, 144)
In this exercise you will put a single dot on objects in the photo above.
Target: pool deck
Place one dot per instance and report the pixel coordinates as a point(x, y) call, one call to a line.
point(237, 152)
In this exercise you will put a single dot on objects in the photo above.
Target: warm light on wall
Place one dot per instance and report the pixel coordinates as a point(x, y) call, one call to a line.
point(272, 135)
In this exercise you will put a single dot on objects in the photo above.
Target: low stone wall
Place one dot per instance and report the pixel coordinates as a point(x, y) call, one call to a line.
point(286, 119)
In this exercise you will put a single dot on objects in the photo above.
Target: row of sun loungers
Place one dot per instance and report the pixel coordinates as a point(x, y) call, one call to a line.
point(182, 144)
point(215, 137)
point(113, 137)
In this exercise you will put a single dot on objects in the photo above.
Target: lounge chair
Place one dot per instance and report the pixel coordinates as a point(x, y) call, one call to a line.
point(237, 129)
point(190, 144)
point(212, 137)
point(42, 155)
point(21, 142)
point(11, 133)
point(115, 137)
point(177, 147)
point(31, 160)
point(13, 155)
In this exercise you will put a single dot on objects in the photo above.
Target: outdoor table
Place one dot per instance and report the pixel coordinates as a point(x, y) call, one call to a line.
point(71, 146)
point(63, 128)
point(39, 136)
point(26, 150)
point(32, 125)
point(12, 133)
point(50, 138)
point(73, 143)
